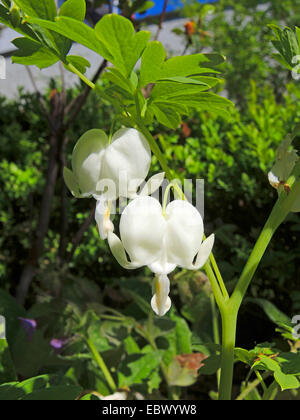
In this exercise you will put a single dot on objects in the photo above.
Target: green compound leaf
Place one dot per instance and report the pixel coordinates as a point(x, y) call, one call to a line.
point(137, 367)
point(166, 115)
point(45, 9)
point(152, 60)
point(22, 28)
point(286, 381)
point(189, 65)
point(124, 45)
point(75, 9)
point(44, 387)
point(32, 53)
point(7, 370)
point(74, 30)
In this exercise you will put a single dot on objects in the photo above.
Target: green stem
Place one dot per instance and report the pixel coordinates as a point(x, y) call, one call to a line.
point(215, 326)
point(102, 365)
point(251, 387)
point(214, 285)
point(262, 382)
point(73, 69)
point(229, 321)
point(218, 275)
point(230, 309)
point(152, 143)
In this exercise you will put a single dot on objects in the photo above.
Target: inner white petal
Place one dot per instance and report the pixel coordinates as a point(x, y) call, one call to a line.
point(161, 302)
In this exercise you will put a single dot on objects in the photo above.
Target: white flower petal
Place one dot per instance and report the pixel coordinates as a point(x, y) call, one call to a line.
point(127, 160)
point(204, 252)
point(71, 182)
point(142, 229)
point(86, 159)
point(152, 184)
point(119, 253)
point(273, 180)
point(160, 302)
point(102, 217)
point(184, 232)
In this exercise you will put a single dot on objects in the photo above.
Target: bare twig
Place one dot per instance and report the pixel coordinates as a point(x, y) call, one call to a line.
point(162, 19)
point(75, 106)
point(39, 96)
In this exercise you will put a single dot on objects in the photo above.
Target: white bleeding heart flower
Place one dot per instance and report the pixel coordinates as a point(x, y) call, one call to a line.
point(106, 169)
point(161, 239)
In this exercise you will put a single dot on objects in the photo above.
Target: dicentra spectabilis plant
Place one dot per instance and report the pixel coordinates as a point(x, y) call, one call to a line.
point(161, 237)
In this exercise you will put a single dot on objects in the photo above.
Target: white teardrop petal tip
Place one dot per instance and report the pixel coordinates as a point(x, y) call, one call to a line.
point(162, 310)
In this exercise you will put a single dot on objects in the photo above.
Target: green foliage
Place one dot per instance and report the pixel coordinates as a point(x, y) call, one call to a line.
point(115, 39)
point(241, 32)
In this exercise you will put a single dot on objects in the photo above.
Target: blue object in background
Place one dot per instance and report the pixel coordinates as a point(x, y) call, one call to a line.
point(172, 5)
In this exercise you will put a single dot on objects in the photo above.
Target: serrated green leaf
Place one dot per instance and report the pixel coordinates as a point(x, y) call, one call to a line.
point(124, 45)
point(32, 53)
point(23, 28)
point(189, 65)
point(7, 369)
point(146, 5)
point(114, 76)
point(137, 367)
point(152, 60)
point(45, 387)
point(206, 101)
point(183, 336)
point(211, 365)
point(162, 91)
point(45, 9)
point(75, 9)
point(166, 115)
point(290, 363)
point(282, 61)
point(74, 30)
point(267, 364)
point(286, 381)
point(273, 313)
point(183, 80)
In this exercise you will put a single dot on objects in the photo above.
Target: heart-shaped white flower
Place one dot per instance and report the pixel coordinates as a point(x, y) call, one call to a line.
point(107, 170)
point(161, 239)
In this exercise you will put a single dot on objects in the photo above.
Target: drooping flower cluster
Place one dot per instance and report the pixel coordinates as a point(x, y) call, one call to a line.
point(160, 238)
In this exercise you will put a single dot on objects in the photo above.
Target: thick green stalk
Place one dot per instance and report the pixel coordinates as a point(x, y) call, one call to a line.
point(229, 321)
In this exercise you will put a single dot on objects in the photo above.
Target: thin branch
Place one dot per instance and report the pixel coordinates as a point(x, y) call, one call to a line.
point(76, 105)
point(40, 97)
point(162, 19)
